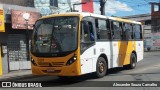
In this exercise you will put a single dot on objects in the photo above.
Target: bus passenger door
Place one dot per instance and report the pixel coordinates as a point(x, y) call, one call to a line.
point(125, 45)
point(87, 47)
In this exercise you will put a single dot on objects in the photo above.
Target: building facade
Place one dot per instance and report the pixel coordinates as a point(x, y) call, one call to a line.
point(17, 31)
point(61, 6)
point(155, 17)
point(155, 12)
point(25, 3)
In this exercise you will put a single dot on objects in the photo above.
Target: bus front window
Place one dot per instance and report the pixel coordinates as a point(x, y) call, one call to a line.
point(55, 35)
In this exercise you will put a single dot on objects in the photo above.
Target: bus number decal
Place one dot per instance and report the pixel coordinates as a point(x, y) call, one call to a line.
point(102, 49)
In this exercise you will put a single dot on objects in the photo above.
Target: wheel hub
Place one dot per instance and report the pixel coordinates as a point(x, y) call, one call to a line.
point(133, 61)
point(101, 67)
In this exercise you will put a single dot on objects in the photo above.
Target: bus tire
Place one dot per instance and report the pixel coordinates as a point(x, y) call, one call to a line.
point(101, 67)
point(133, 61)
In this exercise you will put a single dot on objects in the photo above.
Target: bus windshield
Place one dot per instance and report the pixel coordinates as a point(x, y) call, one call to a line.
point(55, 35)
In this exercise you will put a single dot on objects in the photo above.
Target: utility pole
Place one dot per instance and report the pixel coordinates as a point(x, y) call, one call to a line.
point(102, 8)
point(83, 2)
point(70, 5)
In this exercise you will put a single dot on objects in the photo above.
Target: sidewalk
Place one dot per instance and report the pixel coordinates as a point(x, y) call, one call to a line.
point(15, 75)
point(154, 53)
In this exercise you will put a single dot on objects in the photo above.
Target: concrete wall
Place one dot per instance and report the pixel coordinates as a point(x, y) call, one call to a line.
point(27, 3)
point(3, 42)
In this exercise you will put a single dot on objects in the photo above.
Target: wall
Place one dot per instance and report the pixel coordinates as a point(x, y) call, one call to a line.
point(46, 8)
point(3, 42)
point(155, 17)
point(28, 3)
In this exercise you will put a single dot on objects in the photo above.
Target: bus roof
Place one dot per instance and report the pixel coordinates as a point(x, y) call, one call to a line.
point(85, 14)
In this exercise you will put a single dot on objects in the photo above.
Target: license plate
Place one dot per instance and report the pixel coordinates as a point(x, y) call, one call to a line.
point(50, 70)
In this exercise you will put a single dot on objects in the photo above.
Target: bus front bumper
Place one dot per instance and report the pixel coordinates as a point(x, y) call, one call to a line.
point(71, 70)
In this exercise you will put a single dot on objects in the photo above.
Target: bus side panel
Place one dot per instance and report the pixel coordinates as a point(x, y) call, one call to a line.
point(102, 47)
point(114, 54)
point(118, 54)
point(90, 56)
point(110, 49)
point(140, 50)
point(125, 50)
point(87, 59)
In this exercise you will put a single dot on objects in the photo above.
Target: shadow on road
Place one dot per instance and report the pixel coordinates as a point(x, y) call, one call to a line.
point(80, 80)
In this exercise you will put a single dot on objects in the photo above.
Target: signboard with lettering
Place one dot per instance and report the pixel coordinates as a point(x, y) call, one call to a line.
point(2, 23)
point(18, 22)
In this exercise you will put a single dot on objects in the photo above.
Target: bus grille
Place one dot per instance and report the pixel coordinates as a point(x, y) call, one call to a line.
point(55, 71)
point(43, 64)
point(57, 64)
point(53, 64)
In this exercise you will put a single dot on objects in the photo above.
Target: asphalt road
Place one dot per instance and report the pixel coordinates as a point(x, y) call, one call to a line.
point(146, 70)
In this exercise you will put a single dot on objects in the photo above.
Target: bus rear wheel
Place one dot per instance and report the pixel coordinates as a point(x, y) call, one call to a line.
point(133, 61)
point(101, 67)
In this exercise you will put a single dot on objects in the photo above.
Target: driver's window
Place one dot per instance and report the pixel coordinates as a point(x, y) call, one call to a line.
point(87, 33)
point(92, 36)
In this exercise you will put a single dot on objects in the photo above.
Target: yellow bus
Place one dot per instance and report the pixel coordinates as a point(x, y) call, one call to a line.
point(73, 44)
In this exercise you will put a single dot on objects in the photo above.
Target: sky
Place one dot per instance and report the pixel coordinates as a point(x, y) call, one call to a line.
point(128, 7)
point(112, 7)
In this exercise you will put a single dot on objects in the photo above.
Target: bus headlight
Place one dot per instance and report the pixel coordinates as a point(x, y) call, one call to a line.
point(71, 60)
point(33, 62)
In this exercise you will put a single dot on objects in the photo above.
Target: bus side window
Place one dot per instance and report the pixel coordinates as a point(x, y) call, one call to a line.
point(124, 32)
point(97, 29)
point(112, 30)
point(87, 34)
point(121, 30)
point(137, 31)
point(103, 31)
point(91, 33)
point(128, 31)
point(116, 30)
point(86, 31)
point(108, 29)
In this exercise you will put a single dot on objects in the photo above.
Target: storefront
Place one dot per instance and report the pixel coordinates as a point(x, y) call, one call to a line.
point(15, 40)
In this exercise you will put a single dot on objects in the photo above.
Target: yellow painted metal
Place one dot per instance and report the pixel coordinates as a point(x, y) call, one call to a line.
point(125, 50)
point(0, 61)
point(2, 23)
point(71, 70)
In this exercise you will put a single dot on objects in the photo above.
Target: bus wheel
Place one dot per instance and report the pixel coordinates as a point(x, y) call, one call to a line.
point(133, 61)
point(101, 67)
